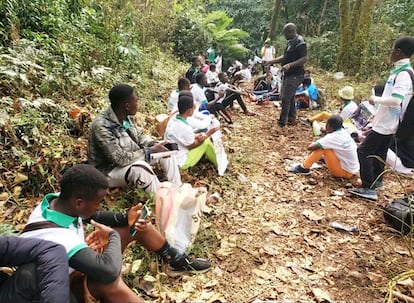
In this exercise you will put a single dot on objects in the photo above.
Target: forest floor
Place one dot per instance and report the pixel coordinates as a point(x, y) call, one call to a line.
point(268, 235)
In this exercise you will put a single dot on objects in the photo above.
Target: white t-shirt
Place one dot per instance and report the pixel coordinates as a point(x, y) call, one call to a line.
point(179, 131)
point(245, 73)
point(211, 77)
point(198, 94)
point(71, 237)
point(173, 100)
point(386, 117)
point(221, 88)
point(348, 110)
point(268, 53)
point(344, 147)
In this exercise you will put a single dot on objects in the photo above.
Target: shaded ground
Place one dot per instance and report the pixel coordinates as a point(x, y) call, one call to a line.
point(269, 234)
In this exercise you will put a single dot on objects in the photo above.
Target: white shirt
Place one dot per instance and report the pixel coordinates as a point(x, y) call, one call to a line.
point(348, 110)
point(198, 94)
point(268, 53)
point(179, 131)
point(211, 77)
point(386, 117)
point(245, 73)
point(173, 100)
point(344, 147)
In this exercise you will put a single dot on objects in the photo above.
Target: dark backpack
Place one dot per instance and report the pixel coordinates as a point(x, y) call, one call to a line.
point(399, 214)
point(405, 129)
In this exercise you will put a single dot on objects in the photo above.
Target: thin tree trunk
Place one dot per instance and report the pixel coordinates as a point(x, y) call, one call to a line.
point(323, 12)
point(275, 14)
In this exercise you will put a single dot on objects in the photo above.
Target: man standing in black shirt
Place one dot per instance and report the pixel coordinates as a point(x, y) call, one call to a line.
point(292, 62)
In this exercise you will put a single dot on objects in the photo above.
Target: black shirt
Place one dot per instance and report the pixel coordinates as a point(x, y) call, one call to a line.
point(295, 49)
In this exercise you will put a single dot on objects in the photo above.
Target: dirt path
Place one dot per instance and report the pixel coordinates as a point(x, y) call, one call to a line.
point(269, 235)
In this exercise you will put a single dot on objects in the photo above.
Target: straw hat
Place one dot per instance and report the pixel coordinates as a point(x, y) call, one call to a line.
point(346, 93)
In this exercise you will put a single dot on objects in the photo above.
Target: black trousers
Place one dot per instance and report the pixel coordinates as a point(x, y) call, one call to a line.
point(21, 287)
point(228, 101)
point(289, 86)
point(372, 153)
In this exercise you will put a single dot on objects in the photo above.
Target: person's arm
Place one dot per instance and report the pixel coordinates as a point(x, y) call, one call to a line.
point(314, 146)
point(102, 267)
point(201, 137)
point(51, 264)
point(110, 146)
point(277, 60)
point(302, 51)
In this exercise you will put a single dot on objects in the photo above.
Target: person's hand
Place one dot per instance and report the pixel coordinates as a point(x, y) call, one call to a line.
point(371, 99)
point(212, 131)
point(159, 147)
point(286, 67)
point(133, 215)
point(98, 239)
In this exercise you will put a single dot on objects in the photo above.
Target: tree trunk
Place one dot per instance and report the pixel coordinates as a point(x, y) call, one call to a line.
point(355, 18)
point(323, 12)
point(275, 14)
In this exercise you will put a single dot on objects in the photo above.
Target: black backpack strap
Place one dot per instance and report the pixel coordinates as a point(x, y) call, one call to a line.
point(40, 225)
point(406, 123)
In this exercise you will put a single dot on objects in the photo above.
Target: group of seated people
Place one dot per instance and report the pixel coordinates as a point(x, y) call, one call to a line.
point(342, 134)
point(119, 155)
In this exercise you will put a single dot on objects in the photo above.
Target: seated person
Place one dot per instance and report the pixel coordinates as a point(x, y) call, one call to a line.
point(183, 84)
point(119, 149)
point(191, 147)
point(244, 73)
point(194, 69)
point(267, 86)
point(231, 93)
point(338, 149)
point(307, 95)
point(308, 75)
point(58, 218)
point(400, 156)
point(347, 109)
point(234, 67)
point(201, 102)
point(42, 273)
point(212, 76)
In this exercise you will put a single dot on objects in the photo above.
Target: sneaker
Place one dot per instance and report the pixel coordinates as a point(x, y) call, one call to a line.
point(305, 121)
point(196, 265)
point(366, 193)
point(378, 185)
point(300, 170)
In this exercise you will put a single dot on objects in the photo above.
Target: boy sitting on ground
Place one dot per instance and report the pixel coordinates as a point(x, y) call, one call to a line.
point(307, 94)
point(191, 147)
point(338, 149)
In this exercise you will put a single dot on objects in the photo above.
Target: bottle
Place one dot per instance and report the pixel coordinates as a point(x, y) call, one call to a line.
point(316, 128)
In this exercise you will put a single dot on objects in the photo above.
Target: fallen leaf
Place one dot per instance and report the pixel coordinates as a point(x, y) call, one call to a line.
point(135, 266)
point(262, 274)
point(321, 295)
point(311, 215)
point(406, 282)
point(375, 277)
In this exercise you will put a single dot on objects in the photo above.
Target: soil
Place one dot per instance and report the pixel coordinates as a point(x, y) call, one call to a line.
point(268, 235)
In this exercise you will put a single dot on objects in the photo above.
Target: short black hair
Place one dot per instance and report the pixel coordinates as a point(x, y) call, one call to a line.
point(120, 94)
point(221, 75)
point(335, 121)
point(185, 101)
point(82, 181)
point(182, 83)
point(379, 89)
point(199, 78)
point(406, 45)
point(307, 81)
point(212, 67)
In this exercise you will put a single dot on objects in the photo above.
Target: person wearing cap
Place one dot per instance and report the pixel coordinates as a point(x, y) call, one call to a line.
point(293, 61)
point(348, 106)
point(268, 51)
point(337, 148)
point(120, 149)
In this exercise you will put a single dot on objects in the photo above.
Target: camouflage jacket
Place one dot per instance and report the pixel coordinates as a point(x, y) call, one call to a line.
point(110, 145)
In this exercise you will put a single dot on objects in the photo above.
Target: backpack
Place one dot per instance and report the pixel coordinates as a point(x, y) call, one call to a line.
point(405, 128)
point(399, 214)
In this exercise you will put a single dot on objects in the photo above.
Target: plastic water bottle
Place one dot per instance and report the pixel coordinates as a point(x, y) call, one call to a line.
point(316, 128)
point(340, 226)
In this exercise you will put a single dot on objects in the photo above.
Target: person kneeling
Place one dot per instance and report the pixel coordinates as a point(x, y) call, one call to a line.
point(191, 147)
point(338, 149)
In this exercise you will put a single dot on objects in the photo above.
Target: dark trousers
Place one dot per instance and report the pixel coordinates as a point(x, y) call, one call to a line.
point(372, 153)
point(228, 101)
point(289, 86)
point(21, 287)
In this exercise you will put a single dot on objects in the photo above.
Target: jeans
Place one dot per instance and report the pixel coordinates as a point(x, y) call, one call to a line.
point(289, 86)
